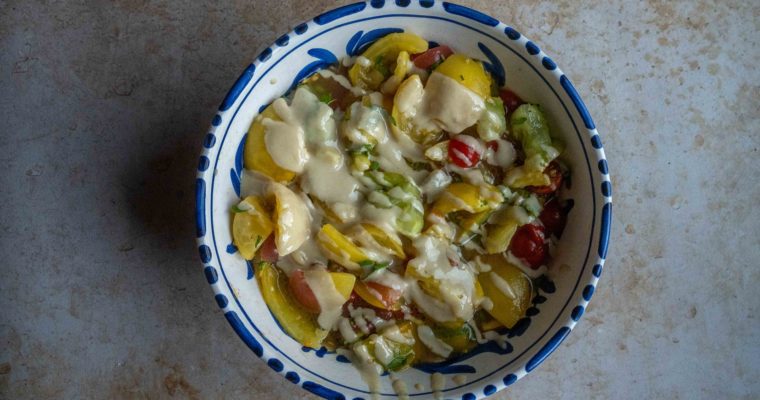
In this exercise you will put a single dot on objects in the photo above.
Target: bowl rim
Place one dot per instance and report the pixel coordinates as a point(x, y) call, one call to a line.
point(474, 20)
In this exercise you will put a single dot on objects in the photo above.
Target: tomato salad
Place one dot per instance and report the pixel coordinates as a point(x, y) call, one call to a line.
point(398, 206)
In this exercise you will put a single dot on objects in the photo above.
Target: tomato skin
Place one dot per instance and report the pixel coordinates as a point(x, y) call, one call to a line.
point(510, 99)
point(462, 154)
point(555, 180)
point(427, 59)
point(553, 217)
point(268, 250)
point(528, 244)
point(357, 302)
point(388, 296)
point(302, 292)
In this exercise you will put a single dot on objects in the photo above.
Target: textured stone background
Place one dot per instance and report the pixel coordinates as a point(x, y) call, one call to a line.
point(104, 106)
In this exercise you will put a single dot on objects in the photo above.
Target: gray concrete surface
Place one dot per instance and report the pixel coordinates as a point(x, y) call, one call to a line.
point(104, 106)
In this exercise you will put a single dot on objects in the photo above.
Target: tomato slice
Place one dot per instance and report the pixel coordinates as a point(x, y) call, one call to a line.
point(463, 152)
point(268, 250)
point(302, 292)
point(555, 180)
point(427, 59)
point(358, 302)
point(553, 217)
point(528, 244)
point(510, 99)
point(387, 295)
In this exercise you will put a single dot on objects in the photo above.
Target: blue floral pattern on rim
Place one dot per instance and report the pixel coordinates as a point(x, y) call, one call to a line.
point(330, 18)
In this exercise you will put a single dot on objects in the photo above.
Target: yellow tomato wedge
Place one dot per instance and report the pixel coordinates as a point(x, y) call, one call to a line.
point(366, 294)
point(381, 55)
point(294, 319)
point(339, 248)
point(509, 289)
point(407, 99)
point(471, 223)
point(467, 71)
point(251, 225)
point(498, 237)
point(344, 283)
point(256, 156)
point(461, 196)
point(399, 73)
point(390, 241)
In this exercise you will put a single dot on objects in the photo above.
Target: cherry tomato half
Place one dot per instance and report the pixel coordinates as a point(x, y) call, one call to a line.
point(528, 244)
point(553, 217)
point(427, 59)
point(302, 292)
point(462, 153)
point(555, 180)
point(510, 99)
point(268, 251)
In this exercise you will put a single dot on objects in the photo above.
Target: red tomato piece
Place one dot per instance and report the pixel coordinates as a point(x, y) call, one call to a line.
point(528, 244)
point(302, 292)
point(268, 251)
point(553, 217)
point(463, 154)
point(427, 59)
point(555, 180)
point(510, 99)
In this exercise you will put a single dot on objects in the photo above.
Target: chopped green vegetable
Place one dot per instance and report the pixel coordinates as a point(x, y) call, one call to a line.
point(236, 209)
point(493, 120)
point(529, 126)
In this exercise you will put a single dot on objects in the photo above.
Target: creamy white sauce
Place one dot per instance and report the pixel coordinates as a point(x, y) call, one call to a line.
point(399, 387)
point(383, 351)
point(293, 219)
point(328, 179)
point(342, 80)
point(389, 279)
point(253, 184)
point(346, 330)
point(435, 345)
point(459, 379)
point(285, 144)
point(437, 383)
point(524, 267)
point(369, 370)
point(363, 61)
point(486, 303)
point(504, 156)
point(329, 299)
point(368, 125)
point(456, 283)
point(435, 183)
point(450, 105)
point(382, 217)
point(502, 285)
point(314, 117)
point(393, 333)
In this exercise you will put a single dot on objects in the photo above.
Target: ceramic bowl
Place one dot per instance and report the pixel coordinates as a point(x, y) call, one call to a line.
point(510, 56)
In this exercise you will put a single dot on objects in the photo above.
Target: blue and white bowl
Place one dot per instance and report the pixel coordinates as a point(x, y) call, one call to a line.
point(527, 70)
